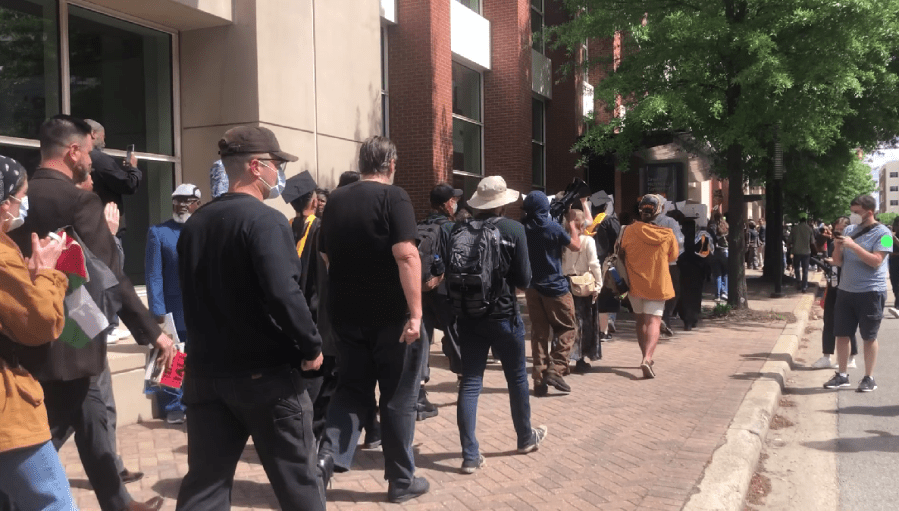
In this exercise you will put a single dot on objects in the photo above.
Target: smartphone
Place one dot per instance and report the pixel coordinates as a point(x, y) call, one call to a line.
point(128, 154)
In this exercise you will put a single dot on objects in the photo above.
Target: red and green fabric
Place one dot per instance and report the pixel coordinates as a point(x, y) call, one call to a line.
point(71, 262)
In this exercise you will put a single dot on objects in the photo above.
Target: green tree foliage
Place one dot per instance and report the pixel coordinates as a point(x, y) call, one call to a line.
point(824, 185)
point(726, 72)
point(887, 218)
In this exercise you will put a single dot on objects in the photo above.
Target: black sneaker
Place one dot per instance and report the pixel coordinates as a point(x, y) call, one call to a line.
point(867, 384)
point(424, 408)
point(581, 367)
point(558, 382)
point(838, 381)
point(536, 439)
point(666, 330)
point(396, 494)
point(471, 466)
point(325, 468)
point(541, 389)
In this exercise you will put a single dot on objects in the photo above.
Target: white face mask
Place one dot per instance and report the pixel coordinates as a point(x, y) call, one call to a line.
point(455, 207)
point(855, 219)
point(275, 191)
point(23, 213)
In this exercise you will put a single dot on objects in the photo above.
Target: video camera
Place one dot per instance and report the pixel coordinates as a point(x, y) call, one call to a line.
point(574, 192)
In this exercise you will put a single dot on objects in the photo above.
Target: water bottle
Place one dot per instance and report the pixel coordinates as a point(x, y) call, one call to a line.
point(437, 267)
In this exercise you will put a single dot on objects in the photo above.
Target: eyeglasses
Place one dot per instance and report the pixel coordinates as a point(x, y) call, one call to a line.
point(280, 165)
point(189, 202)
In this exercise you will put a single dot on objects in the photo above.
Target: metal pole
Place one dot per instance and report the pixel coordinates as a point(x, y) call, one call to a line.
point(778, 216)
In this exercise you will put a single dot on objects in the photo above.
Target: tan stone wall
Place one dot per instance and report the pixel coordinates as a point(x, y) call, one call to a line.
point(309, 70)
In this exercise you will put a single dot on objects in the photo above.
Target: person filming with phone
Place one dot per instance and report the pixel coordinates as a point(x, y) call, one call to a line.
point(111, 180)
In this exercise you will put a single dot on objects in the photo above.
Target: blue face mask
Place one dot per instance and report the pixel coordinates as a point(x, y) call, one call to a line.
point(23, 212)
point(275, 191)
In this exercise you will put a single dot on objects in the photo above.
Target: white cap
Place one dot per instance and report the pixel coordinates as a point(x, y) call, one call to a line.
point(492, 193)
point(187, 190)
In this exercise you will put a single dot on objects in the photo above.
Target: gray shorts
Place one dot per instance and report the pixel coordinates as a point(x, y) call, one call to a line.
point(862, 311)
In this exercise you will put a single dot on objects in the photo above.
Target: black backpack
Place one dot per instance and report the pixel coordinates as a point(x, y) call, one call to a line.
point(474, 276)
point(429, 245)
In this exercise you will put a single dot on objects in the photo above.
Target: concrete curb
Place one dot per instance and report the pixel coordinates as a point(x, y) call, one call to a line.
point(726, 478)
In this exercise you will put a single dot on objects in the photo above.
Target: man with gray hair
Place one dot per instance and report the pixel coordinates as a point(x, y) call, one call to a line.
point(368, 240)
point(112, 180)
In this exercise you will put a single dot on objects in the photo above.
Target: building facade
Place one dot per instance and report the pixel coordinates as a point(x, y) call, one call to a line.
point(888, 184)
point(462, 86)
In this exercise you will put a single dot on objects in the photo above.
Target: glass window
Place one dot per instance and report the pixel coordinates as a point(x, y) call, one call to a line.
point(894, 174)
point(29, 157)
point(121, 76)
point(537, 31)
point(537, 120)
point(894, 188)
point(466, 92)
point(466, 146)
point(385, 99)
point(538, 160)
point(474, 5)
point(894, 203)
point(29, 66)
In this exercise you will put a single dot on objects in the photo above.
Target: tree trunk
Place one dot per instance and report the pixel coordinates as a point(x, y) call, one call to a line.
point(736, 259)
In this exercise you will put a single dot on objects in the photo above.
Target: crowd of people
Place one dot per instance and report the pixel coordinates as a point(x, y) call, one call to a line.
point(302, 333)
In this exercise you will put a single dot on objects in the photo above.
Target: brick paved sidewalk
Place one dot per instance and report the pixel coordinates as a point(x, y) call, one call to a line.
point(616, 442)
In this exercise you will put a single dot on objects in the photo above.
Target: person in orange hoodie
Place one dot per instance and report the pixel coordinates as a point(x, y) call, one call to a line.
point(648, 249)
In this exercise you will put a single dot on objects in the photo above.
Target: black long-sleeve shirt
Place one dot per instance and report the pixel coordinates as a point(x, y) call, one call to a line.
point(112, 180)
point(240, 282)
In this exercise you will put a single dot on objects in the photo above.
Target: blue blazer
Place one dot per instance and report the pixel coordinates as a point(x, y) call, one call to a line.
point(161, 268)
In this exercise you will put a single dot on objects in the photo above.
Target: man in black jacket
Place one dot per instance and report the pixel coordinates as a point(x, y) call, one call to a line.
point(250, 336)
point(112, 180)
point(72, 396)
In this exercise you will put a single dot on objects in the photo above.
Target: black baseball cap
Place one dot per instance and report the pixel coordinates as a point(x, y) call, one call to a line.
point(444, 192)
point(252, 139)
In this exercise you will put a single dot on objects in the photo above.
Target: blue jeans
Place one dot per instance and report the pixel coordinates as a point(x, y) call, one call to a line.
point(506, 337)
point(721, 279)
point(33, 479)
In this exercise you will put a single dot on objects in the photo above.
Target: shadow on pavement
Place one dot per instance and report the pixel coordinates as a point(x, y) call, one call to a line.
point(617, 371)
point(243, 493)
point(881, 442)
point(760, 376)
point(874, 411)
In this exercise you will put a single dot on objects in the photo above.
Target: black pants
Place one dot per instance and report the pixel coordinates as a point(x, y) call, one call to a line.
point(894, 278)
point(828, 340)
point(368, 356)
point(321, 385)
point(438, 313)
point(272, 407)
point(671, 306)
point(78, 404)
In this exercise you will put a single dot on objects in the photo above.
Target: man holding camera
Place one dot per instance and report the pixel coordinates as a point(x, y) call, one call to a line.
point(549, 299)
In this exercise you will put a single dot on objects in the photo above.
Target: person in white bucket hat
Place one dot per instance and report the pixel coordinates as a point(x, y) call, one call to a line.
point(500, 327)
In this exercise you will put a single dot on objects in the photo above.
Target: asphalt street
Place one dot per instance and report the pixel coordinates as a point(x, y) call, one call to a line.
point(868, 444)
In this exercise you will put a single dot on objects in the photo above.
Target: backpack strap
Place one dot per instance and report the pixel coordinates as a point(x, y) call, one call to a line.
point(866, 230)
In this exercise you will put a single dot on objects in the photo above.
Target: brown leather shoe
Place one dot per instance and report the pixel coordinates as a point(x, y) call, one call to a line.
point(130, 477)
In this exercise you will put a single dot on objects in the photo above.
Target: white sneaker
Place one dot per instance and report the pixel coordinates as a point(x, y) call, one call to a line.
point(112, 337)
point(851, 364)
point(893, 312)
point(823, 363)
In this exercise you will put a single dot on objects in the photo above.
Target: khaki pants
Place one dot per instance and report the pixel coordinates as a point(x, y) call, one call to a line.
point(551, 312)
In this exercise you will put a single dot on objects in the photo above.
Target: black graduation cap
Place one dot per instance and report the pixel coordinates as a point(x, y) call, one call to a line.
point(599, 197)
point(298, 186)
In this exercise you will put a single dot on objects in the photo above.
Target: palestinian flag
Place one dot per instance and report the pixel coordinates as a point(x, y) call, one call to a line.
point(82, 314)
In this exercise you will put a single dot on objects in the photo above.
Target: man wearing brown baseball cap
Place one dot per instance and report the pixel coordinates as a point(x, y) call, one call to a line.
point(251, 335)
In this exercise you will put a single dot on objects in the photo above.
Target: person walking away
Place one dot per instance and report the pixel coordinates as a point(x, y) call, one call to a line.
point(649, 249)
point(496, 248)
point(671, 305)
point(894, 265)
point(163, 288)
point(69, 375)
point(605, 235)
point(250, 333)
point(752, 247)
point(299, 192)
point(861, 254)
point(550, 304)
point(828, 340)
point(31, 314)
point(587, 341)
point(368, 239)
point(718, 229)
point(438, 313)
point(763, 233)
point(801, 241)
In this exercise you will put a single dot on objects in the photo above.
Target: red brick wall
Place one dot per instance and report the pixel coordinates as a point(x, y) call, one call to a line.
point(507, 95)
point(420, 87)
point(564, 113)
